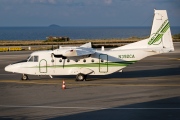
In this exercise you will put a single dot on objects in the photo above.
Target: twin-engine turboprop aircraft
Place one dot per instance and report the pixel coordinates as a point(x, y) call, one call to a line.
point(84, 60)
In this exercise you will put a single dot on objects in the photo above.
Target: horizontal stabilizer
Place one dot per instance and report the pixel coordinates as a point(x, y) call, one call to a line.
point(87, 45)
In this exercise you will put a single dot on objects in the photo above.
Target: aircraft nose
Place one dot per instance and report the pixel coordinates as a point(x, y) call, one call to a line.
point(8, 68)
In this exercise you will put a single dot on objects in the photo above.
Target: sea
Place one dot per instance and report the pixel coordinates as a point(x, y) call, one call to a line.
point(40, 33)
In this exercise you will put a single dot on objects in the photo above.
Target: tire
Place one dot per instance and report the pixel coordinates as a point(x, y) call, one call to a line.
point(24, 77)
point(85, 77)
point(80, 77)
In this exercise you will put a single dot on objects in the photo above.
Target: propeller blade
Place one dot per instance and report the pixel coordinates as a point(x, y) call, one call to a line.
point(63, 62)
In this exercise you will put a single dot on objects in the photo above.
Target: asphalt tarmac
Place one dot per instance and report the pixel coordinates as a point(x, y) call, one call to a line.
point(146, 90)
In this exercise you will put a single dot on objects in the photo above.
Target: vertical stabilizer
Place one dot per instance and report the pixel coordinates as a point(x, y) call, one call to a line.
point(160, 37)
point(160, 33)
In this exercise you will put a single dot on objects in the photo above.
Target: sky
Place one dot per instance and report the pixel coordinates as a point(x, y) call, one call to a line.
point(85, 12)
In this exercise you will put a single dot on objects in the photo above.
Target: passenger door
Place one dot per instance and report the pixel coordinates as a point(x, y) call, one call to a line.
point(103, 63)
point(43, 66)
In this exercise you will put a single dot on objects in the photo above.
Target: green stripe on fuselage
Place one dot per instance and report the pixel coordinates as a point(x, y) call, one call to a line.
point(110, 64)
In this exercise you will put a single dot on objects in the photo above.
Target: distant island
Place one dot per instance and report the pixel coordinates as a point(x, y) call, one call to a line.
point(54, 26)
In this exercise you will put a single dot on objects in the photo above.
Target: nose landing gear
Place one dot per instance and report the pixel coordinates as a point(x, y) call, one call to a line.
point(24, 77)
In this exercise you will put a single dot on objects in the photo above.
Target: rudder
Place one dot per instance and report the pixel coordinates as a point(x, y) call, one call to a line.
point(160, 32)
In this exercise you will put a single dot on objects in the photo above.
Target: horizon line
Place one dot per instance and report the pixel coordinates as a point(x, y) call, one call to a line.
point(81, 26)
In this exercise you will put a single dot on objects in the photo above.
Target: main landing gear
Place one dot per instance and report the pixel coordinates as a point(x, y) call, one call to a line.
point(81, 77)
point(24, 77)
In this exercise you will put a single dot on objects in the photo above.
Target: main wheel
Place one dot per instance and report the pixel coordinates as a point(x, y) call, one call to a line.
point(80, 77)
point(24, 77)
point(85, 77)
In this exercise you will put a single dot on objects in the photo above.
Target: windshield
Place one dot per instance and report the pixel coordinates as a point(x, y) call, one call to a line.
point(28, 58)
point(33, 59)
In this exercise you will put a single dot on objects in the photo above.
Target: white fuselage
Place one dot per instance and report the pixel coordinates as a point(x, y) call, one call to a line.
point(99, 63)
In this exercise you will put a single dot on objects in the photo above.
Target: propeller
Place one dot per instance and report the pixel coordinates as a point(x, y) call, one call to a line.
point(63, 62)
point(60, 56)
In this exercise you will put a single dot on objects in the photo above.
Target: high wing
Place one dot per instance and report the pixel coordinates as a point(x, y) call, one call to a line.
point(78, 52)
point(85, 49)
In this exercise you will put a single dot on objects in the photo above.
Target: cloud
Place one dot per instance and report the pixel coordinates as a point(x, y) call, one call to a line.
point(44, 1)
point(108, 2)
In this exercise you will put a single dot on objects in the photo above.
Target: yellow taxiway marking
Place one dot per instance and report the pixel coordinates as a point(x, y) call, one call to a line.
point(88, 84)
point(174, 58)
point(166, 58)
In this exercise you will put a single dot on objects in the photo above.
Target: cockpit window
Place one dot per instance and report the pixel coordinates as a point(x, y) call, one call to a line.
point(33, 59)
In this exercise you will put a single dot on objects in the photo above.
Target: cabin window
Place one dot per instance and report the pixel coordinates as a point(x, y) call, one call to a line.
point(68, 60)
point(102, 60)
point(76, 60)
point(84, 60)
point(60, 60)
point(92, 60)
point(52, 60)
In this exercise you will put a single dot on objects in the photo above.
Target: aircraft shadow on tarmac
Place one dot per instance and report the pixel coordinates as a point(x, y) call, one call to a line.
point(164, 109)
point(133, 74)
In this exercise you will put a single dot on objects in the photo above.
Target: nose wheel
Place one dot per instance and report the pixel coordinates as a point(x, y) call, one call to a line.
point(24, 77)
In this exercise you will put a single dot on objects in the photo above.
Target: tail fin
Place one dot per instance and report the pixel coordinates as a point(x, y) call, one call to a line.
point(160, 32)
point(160, 36)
